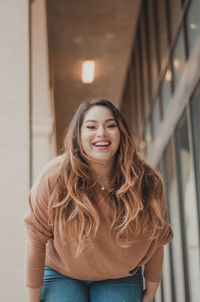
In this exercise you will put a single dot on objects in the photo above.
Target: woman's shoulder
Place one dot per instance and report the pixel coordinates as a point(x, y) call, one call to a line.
point(166, 235)
point(52, 167)
point(48, 175)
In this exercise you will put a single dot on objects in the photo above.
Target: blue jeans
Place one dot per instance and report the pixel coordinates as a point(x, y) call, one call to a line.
point(60, 288)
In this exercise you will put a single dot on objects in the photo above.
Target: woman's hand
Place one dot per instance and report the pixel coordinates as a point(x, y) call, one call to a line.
point(146, 297)
point(150, 291)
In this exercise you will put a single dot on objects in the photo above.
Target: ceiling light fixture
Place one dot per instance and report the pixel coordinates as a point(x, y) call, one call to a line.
point(88, 71)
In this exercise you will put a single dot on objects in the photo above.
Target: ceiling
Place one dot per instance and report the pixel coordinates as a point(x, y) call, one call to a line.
point(90, 29)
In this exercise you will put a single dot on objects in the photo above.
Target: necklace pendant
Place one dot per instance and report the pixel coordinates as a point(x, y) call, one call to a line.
point(102, 188)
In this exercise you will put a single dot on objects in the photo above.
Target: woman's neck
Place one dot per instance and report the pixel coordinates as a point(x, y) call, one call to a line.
point(102, 173)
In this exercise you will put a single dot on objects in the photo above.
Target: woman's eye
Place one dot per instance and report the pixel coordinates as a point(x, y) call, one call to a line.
point(112, 126)
point(90, 127)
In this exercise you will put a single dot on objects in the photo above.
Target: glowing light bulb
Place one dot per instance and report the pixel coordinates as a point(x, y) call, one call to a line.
point(88, 71)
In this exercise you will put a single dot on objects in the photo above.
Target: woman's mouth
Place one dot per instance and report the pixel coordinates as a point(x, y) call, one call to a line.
point(102, 144)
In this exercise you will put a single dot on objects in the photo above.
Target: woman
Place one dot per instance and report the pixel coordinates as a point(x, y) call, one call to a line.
point(96, 215)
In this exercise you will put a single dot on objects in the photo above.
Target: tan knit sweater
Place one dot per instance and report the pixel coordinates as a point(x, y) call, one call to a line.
point(103, 260)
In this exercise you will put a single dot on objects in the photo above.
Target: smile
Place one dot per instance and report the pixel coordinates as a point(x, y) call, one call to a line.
point(101, 143)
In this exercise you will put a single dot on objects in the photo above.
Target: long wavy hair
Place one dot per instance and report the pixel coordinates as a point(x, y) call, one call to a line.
point(136, 189)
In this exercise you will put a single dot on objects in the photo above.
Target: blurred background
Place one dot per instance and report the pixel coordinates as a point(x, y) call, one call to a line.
point(144, 56)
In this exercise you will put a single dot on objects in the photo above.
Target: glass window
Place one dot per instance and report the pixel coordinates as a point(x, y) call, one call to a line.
point(193, 23)
point(175, 12)
point(166, 90)
point(152, 45)
point(189, 203)
point(155, 117)
point(178, 58)
point(162, 30)
point(133, 93)
point(138, 82)
point(195, 104)
point(140, 61)
point(167, 273)
point(145, 71)
point(175, 220)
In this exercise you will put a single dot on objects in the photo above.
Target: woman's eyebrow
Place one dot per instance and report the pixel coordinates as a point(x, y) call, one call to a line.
point(94, 121)
point(110, 119)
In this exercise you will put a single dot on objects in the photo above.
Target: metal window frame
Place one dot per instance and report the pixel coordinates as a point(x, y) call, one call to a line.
point(178, 171)
point(193, 157)
point(169, 42)
point(152, 11)
point(165, 169)
point(138, 84)
point(146, 22)
point(139, 41)
point(133, 97)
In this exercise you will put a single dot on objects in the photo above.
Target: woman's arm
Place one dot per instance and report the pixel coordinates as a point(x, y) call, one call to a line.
point(34, 294)
point(153, 274)
point(150, 291)
point(38, 232)
point(34, 260)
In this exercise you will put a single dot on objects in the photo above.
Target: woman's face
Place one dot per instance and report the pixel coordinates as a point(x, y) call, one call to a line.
point(100, 135)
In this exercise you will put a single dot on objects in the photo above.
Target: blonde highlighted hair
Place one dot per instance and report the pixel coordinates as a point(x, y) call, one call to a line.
point(136, 189)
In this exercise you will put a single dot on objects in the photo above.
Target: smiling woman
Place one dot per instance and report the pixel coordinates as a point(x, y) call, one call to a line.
point(79, 236)
point(100, 138)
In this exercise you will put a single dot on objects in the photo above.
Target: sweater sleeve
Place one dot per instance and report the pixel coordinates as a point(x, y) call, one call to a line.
point(166, 236)
point(38, 232)
point(153, 268)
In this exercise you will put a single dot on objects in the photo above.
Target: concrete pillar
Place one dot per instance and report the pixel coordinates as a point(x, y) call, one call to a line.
point(42, 103)
point(14, 145)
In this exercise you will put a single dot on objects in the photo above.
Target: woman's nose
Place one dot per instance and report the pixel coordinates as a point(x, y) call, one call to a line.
point(100, 131)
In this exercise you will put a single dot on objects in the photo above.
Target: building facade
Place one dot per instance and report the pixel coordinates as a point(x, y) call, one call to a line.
point(161, 101)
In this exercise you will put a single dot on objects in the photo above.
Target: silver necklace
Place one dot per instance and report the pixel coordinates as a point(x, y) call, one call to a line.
point(103, 187)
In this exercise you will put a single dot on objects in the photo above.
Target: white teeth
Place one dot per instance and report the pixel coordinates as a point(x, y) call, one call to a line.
point(101, 144)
